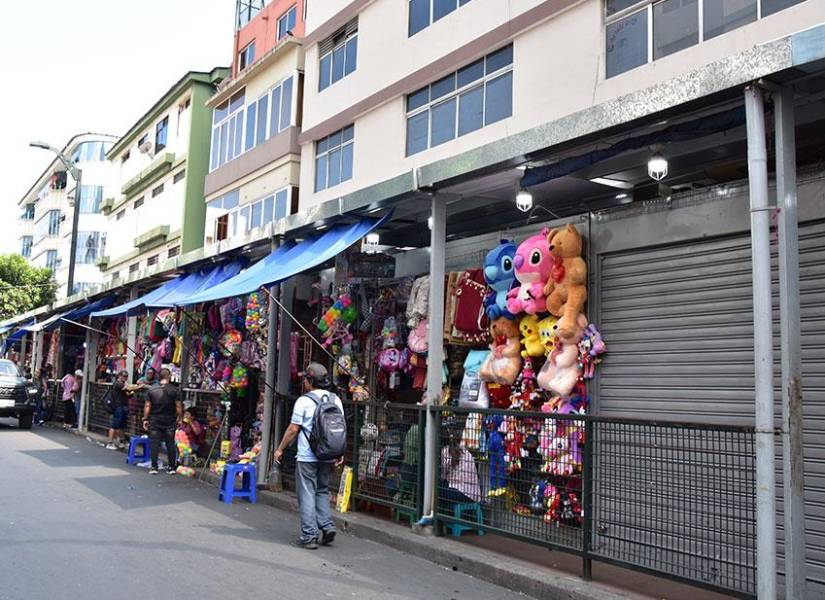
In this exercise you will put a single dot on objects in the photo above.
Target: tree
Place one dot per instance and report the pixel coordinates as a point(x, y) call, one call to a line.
point(22, 286)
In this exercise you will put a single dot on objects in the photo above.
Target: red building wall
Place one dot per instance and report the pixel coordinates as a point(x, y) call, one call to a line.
point(263, 29)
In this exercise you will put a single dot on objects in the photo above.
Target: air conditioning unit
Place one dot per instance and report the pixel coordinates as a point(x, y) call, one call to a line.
point(146, 147)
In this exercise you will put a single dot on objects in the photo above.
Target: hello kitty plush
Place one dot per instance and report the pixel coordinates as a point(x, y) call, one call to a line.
point(533, 264)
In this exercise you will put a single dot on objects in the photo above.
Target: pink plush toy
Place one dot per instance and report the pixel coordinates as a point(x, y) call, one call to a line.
point(562, 370)
point(533, 265)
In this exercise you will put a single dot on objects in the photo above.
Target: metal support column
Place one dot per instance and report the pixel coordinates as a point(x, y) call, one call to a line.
point(131, 338)
point(39, 337)
point(435, 356)
point(88, 362)
point(23, 344)
point(286, 293)
point(269, 378)
point(762, 346)
point(789, 323)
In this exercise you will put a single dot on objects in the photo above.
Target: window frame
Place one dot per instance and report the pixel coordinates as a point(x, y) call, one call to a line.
point(338, 40)
point(138, 202)
point(284, 17)
point(161, 127)
point(231, 118)
point(244, 59)
point(325, 155)
point(431, 12)
point(455, 96)
point(26, 244)
point(51, 259)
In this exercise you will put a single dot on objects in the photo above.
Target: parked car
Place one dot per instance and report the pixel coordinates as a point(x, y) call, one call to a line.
point(17, 395)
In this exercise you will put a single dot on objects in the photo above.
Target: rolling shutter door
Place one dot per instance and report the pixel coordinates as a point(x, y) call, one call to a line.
point(678, 324)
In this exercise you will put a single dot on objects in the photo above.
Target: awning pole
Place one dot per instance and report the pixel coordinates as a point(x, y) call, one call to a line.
point(269, 378)
point(88, 360)
point(762, 346)
point(435, 355)
point(286, 293)
point(131, 338)
point(792, 444)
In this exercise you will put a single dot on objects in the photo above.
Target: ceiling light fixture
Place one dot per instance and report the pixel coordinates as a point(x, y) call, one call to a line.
point(657, 166)
point(524, 200)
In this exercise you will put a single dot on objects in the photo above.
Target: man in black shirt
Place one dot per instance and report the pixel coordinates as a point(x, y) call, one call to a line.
point(161, 414)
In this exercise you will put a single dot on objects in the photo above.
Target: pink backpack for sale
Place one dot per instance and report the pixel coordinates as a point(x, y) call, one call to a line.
point(417, 338)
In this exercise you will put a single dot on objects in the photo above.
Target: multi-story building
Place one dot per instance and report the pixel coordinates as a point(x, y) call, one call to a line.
point(157, 212)
point(254, 154)
point(45, 222)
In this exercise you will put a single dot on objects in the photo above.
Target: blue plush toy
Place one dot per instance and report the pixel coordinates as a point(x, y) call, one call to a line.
point(501, 277)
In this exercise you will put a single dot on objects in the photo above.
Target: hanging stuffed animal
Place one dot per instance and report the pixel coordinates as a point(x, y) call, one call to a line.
point(512, 445)
point(530, 339)
point(495, 452)
point(389, 333)
point(471, 438)
point(525, 395)
point(566, 289)
point(561, 371)
point(533, 265)
point(503, 364)
point(547, 333)
point(500, 275)
point(390, 362)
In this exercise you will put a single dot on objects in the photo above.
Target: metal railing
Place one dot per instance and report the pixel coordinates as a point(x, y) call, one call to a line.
point(672, 499)
point(99, 419)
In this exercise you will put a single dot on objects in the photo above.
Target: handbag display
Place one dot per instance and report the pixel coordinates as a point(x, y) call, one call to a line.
point(470, 318)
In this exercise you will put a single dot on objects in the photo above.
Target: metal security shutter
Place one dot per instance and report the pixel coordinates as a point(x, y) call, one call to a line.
point(677, 320)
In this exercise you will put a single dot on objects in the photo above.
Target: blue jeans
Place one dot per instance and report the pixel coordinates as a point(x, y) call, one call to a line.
point(312, 485)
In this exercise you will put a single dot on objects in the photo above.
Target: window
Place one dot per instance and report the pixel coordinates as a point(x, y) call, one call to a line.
point(134, 267)
point(286, 22)
point(54, 222)
point(116, 276)
point(247, 10)
point(47, 226)
point(229, 219)
point(120, 215)
point(333, 158)
point(179, 176)
point(125, 157)
point(26, 246)
point(157, 191)
point(281, 106)
point(28, 212)
point(246, 56)
point(338, 55)
point(91, 199)
point(474, 96)
point(144, 139)
point(91, 152)
point(173, 252)
point(138, 203)
point(227, 130)
point(639, 32)
point(152, 260)
point(51, 260)
point(91, 245)
point(424, 12)
point(161, 134)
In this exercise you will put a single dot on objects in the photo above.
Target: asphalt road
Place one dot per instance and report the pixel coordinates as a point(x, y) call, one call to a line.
point(76, 522)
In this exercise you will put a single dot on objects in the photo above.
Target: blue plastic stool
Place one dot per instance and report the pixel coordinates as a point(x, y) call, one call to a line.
point(248, 483)
point(458, 512)
point(135, 442)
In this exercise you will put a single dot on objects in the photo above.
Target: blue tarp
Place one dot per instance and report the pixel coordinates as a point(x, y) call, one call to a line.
point(178, 288)
point(287, 261)
point(18, 335)
point(45, 325)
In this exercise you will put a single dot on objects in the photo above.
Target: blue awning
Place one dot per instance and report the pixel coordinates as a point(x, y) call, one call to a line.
point(43, 325)
point(287, 261)
point(18, 335)
point(180, 287)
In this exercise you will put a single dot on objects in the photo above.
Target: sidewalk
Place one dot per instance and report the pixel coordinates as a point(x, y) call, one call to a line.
point(518, 566)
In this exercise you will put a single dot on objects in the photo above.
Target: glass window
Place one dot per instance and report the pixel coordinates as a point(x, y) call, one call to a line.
point(90, 152)
point(442, 125)
point(157, 191)
point(499, 99)
point(417, 132)
point(614, 6)
point(231, 199)
point(227, 133)
point(269, 208)
point(237, 124)
point(91, 199)
point(351, 55)
point(243, 220)
point(263, 110)
point(320, 173)
point(500, 59)
point(419, 15)
point(133, 268)
point(334, 158)
point(286, 22)
point(275, 117)
point(721, 16)
point(338, 63)
point(173, 252)
point(28, 212)
point(51, 259)
point(418, 99)
point(257, 213)
point(441, 8)
point(152, 260)
point(138, 203)
point(347, 160)
point(26, 246)
point(471, 110)
point(286, 103)
point(442, 87)
point(675, 26)
point(770, 7)
point(338, 56)
point(120, 214)
point(626, 43)
point(281, 204)
point(91, 245)
point(334, 177)
point(251, 112)
point(179, 176)
point(325, 72)
point(246, 56)
point(161, 133)
point(470, 73)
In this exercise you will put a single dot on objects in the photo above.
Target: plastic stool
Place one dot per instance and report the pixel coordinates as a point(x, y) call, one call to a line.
point(135, 442)
point(248, 482)
point(458, 512)
point(405, 491)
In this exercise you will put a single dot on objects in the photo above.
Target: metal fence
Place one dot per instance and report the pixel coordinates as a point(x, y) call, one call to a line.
point(388, 450)
point(99, 419)
point(672, 499)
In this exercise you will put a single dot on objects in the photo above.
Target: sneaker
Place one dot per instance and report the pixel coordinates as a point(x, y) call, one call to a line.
point(153, 471)
point(111, 447)
point(308, 544)
point(327, 537)
point(171, 471)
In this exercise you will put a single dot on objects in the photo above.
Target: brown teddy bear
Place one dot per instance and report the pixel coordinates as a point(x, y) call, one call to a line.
point(503, 364)
point(566, 290)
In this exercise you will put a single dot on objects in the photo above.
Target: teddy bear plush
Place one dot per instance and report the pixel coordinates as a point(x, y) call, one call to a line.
point(530, 339)
point(503, 364)
point(533, 264)
point(566, 288)
point(562, 369)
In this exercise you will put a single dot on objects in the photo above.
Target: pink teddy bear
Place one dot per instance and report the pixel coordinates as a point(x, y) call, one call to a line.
point(533, 266)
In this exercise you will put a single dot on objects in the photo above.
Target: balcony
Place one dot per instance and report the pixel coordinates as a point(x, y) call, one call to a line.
point(107, 206)
point(159, 167)
point(103, 262)
point(153, 237)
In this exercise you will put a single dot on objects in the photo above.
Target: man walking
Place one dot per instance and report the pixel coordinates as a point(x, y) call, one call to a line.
point(161, 413)
point(312, 474)
point(120, 410)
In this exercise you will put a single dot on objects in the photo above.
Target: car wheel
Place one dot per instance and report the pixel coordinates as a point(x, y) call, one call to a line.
point(25, 420)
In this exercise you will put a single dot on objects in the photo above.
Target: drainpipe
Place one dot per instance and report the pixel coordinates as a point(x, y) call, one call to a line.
point(792, 447)
point(762, 345)
point(269, 378)
point(435, 356)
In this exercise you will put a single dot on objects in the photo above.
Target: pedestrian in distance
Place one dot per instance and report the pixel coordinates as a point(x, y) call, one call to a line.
point(162, 412)
point(319, 424)
point(118, 403)
point(71, 388)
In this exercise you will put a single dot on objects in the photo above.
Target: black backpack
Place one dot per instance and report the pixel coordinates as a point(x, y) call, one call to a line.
point(328, 439)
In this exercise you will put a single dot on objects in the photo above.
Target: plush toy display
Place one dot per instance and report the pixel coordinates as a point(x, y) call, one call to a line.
point(513, 440)
point(530, 338)
point(533, 265)
point(504, 362)
point(500, 275)
point(547, 333)
point(566, 288)
point(495, 451)
point(561, 371)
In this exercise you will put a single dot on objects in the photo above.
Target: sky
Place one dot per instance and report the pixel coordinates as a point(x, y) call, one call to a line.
point(92, 65)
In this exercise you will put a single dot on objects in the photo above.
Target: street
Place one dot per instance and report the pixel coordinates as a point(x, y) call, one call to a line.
point(76, 521)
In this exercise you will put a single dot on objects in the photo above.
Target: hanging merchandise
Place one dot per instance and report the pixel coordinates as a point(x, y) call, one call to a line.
point(533, 265)
point(470, 319)
point(418, 303)
point(566, 289)
point(562, 369)
point(503, 364)
point(254, 313)
point(230, 342)
point(530, 338)
point(418, 340)
point(547, 333)
point(500, 275)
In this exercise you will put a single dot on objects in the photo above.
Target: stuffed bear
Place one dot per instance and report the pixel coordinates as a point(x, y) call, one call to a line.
point(504, 362)
point(561, 371)
point(533, 263)
point(500, 276)
point(566, 288)
point(529, 326)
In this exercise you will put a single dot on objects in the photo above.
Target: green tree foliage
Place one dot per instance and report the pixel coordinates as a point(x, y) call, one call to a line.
point(22, 286)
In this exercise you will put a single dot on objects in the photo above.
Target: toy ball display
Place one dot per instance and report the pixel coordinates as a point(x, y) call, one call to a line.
point(240, 377)
point(231, 342)
point(339, 310)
